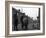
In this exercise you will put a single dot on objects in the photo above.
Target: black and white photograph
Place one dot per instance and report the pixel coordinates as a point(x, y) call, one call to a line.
point(25, 18)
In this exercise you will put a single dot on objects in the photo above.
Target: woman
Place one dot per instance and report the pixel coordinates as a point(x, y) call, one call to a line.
point(24, 20)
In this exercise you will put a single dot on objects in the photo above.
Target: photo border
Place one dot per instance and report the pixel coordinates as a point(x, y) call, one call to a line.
point(7, 3)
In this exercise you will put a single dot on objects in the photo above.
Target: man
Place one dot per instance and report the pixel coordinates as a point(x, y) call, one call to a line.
point(15, 18)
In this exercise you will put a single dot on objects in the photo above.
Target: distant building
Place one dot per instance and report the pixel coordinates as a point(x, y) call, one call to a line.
point(38, 18)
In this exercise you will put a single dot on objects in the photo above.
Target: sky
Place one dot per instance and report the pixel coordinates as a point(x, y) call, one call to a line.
point(31, 12)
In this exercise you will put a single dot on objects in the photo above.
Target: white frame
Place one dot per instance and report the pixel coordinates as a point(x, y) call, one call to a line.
point(29, 31)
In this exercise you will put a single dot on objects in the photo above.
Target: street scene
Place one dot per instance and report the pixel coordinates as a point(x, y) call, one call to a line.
point(25, 19)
